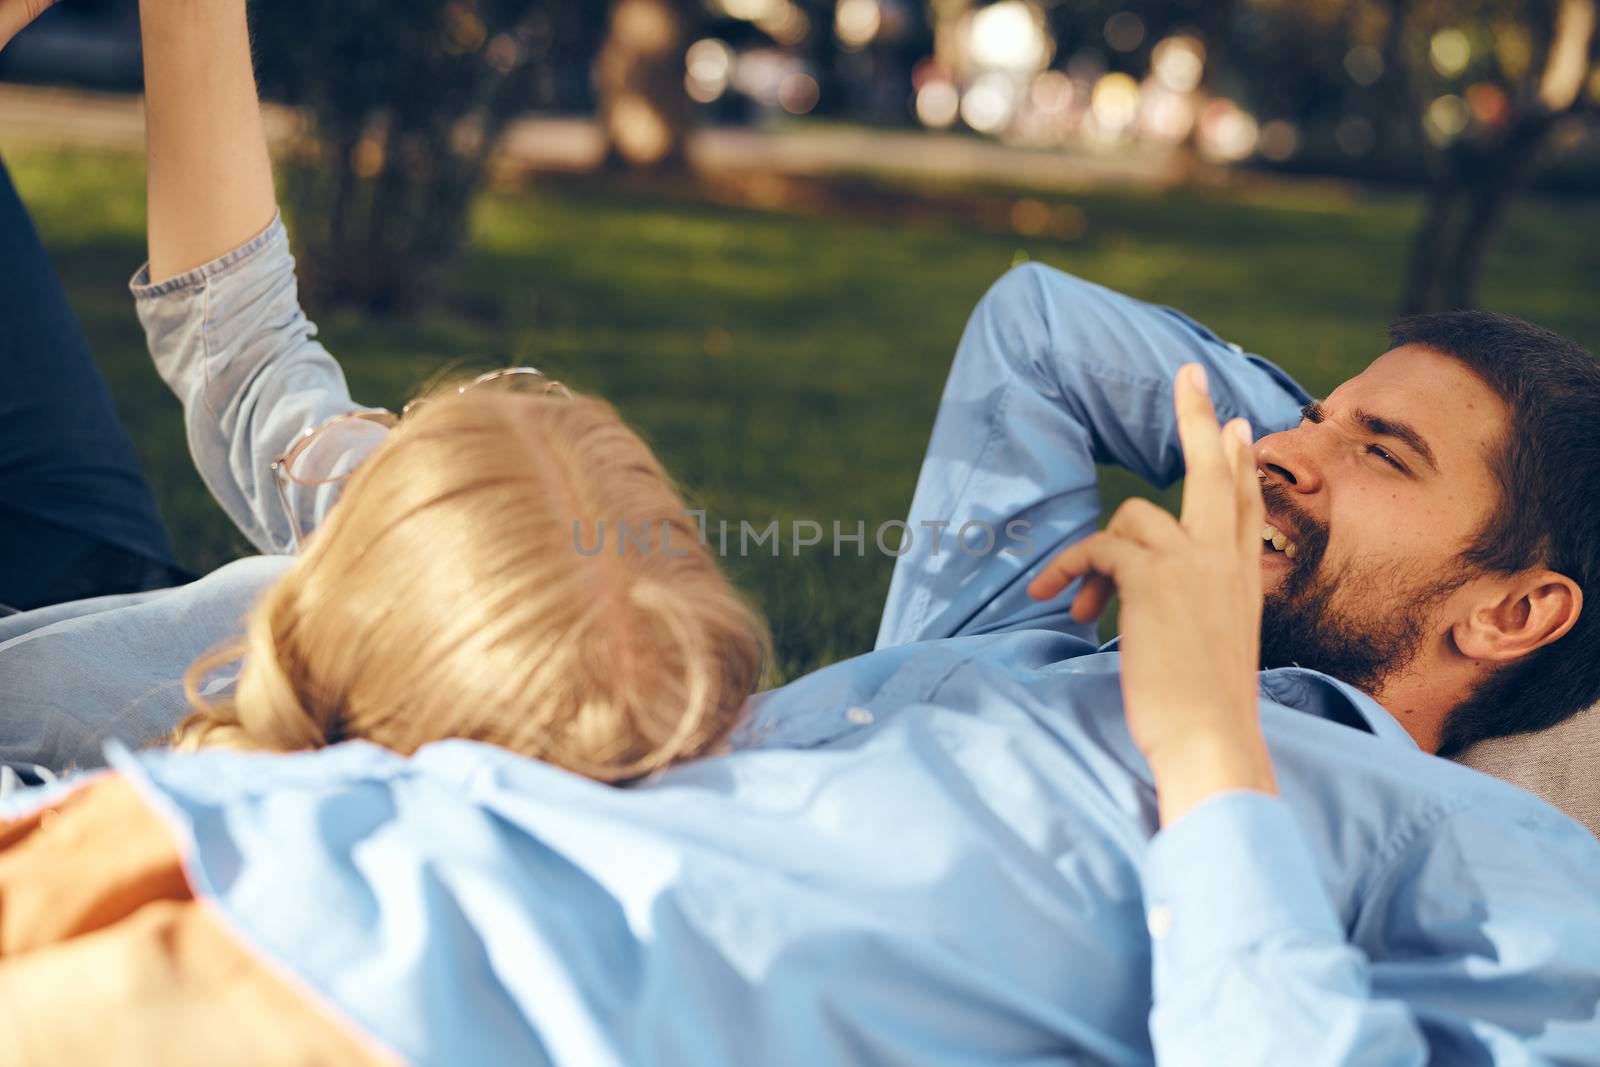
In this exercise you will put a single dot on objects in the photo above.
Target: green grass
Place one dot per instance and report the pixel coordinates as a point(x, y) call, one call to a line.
point(789, 367)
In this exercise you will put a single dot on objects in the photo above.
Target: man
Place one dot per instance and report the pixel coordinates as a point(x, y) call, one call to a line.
point(1433, 530)
point(984, 841)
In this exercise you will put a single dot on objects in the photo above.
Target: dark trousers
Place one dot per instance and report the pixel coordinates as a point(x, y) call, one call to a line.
point(76, 516)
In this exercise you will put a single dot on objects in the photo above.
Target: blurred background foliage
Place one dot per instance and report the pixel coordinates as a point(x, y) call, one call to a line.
point(406, 101)
point(1292, 172)
point(1468, 97)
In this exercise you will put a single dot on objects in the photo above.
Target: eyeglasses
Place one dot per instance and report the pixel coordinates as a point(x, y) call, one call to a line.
point(328, 454)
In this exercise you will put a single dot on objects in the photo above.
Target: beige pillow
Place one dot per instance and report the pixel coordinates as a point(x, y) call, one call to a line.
point(1561, 764)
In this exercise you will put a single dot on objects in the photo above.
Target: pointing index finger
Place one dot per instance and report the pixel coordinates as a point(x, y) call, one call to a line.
point(1208, 493)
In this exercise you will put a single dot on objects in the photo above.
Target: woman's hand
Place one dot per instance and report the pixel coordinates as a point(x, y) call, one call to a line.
point(1191, 611)
point(16, 14)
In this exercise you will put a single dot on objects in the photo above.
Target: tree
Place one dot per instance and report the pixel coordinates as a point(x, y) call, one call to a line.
point(645, 111)
point(1472, 96)
point(1535, 87)
point(406, 102)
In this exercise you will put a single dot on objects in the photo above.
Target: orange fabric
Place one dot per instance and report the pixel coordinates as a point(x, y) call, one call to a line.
point(106, 958)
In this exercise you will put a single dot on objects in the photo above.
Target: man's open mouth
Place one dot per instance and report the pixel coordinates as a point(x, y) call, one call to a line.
point(1277, 541)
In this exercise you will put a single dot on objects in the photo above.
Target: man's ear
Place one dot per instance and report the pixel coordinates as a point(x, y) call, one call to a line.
point(1534, 609)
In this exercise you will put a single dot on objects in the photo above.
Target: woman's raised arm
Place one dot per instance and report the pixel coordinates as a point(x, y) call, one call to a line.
point(16, 14)
point(210, 180)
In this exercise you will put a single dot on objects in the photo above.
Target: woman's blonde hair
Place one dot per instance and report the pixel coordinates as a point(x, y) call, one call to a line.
point(455, 592)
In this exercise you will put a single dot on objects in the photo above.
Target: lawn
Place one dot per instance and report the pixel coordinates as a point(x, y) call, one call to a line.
point(787, 366)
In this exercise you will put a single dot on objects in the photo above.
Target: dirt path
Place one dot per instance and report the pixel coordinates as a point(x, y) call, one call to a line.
point(540, 144)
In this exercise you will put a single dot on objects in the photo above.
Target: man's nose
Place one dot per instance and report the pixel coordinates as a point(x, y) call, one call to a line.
point(1288, 460)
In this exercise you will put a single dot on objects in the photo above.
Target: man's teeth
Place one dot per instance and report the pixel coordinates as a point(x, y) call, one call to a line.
point(1274, 536)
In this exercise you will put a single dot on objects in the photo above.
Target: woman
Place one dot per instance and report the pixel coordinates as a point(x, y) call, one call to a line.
point(446, 596)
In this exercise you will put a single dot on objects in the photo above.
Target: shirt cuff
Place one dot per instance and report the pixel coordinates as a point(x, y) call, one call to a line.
point(274, 235)
point(1232, 873)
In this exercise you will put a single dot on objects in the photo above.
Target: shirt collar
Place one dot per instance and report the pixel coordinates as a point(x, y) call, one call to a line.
point(1325, 697)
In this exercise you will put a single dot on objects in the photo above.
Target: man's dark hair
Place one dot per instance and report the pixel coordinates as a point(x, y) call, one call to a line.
point(1548, 515)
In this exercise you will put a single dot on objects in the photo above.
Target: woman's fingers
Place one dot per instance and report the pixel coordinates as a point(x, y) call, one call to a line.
point(1208, 498)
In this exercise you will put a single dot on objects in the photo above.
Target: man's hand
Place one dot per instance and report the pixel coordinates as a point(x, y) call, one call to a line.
point(16, 14)
point(1191, 611)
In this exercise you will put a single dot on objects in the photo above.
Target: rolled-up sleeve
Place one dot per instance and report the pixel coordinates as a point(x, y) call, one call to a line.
point(230, 339)
point(1053, 376)
point(1251, 963)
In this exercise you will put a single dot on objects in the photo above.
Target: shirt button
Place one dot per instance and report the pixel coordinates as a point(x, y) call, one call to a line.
point(1159, 921)
point(860, 716)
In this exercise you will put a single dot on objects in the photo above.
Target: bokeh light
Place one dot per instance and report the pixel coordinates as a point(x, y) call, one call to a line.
point(1227, 132)
point(710, 68)
point(785, 23)
point(1124, 31)
point(638, 131)
point(938, 103)
point(1279, 140)
point(779, 19)
point(1165, 115)
point(464, 31)
point(1010, 35)
point(1115, 103)
point(1488, 103)
point(366, 159)
point(1446, 117)
point(988, 104)
point(1450, 50)
point(1178, 62)
point(503, 53)
point(749, 10)
point(761, 72)
point(1030, 217)
point(1364, 64)
point(799, 93)
point(857, 22)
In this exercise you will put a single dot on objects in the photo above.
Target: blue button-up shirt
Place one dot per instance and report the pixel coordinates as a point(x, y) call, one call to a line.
point(945, 851)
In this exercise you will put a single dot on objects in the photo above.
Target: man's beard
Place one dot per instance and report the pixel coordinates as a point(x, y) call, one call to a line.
point(1364, 638)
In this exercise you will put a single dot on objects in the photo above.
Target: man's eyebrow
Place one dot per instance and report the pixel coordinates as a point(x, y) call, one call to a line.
point(1382, 427)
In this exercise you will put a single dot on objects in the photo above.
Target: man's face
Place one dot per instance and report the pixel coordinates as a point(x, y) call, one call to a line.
point(1377, 492)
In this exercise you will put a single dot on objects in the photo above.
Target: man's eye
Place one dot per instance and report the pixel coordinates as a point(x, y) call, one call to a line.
point(1386, 457)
